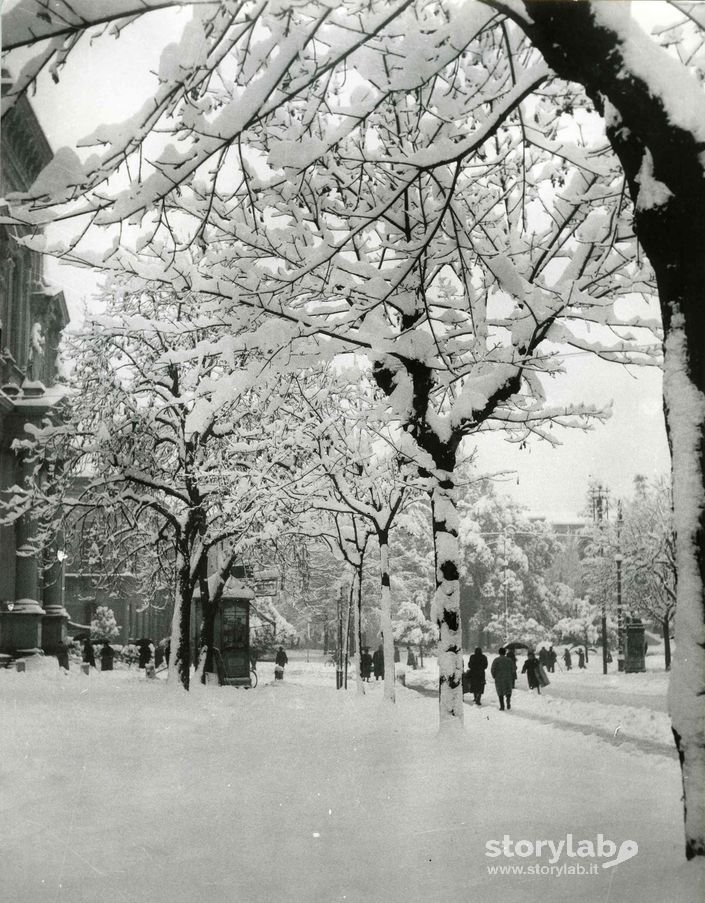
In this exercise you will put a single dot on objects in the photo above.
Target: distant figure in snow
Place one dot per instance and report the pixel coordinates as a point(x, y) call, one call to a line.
point(62, 654)
point(365, 664)
point(145, 656)
point(531, 669)
point(88, 653)
point(378, 663)
point(512, 656)
point(502, 671)
point(552, 659)
point(280, 663)
point(568, 660)
point(543, 656)
point(581, 658)
point(477, 665)
point(107, 654)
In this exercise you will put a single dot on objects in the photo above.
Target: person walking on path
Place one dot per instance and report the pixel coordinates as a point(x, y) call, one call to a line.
point(280, 663)
point(378, 663)
point(502, 671)
point(552, 660)
point(477, 665)
point(581, 659)
point(88, 653)
point(512, 656)
point(532, 670)
point(107, 654)
point(145, 654)
point(568, 660)
point(365, 664)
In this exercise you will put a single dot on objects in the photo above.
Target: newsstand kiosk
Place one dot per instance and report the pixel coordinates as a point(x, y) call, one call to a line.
point(231, 633)
point(634, 648)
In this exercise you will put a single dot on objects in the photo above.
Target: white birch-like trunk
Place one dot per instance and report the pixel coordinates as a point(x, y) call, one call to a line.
point(685, 411)
point(387, 637)
point(447, 600)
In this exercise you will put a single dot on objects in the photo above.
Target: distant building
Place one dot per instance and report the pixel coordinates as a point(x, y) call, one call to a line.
point(32, 317)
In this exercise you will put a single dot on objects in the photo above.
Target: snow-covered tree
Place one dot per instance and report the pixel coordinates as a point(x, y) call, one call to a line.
point(413, 218)
point(358, 472)
point(464, 73)
point(649, 546)
point(643, 539)
point(582, 626)
point(654, 109)
point(104, 626)
point(177, 442)
point(505, 560)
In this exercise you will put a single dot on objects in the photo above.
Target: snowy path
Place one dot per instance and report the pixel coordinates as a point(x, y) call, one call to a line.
point(614, 737)
point(564, 688)
point(117, 788)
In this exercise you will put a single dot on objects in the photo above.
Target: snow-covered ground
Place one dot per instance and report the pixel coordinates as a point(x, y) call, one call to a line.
point(124, 789)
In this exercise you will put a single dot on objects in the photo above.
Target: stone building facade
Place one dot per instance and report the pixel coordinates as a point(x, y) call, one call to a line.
point(32, 317)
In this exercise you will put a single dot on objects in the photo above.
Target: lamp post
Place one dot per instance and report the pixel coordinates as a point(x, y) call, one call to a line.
point(619, 558)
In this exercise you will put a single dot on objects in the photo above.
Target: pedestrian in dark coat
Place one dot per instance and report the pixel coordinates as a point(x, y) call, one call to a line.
point(552, 660)
point(280, 663)
point(502, 671)
point(88, 653)
point(477, 665)
point(531, 669)
point(365, 664)
point(581, 658)
point(62, 654)
point(378, 663)
point(568, 660)
point(107, 654)
point(512, 656)
point(145, 656)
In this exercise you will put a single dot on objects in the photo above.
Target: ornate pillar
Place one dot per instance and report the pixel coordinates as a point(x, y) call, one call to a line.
point(56, 617)
point(21, 620)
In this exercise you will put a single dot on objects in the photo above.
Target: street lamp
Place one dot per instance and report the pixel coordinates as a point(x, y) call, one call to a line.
point(619, 558)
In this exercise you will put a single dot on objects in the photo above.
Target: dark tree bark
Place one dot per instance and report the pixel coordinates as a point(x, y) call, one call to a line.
point(666, 627)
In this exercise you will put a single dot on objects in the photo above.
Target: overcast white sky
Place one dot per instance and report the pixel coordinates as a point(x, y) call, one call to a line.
point(550, 481)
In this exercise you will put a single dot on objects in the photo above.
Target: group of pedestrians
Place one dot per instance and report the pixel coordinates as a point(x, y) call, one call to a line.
point(504, 674)
point(372, 664)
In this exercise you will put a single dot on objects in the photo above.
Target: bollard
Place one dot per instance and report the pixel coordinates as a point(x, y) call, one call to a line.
point(20, 666)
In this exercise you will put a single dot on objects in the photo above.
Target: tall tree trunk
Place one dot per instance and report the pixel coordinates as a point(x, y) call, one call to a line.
point(386, 600)
point(685, 407)
point(206, 635)
point(180, 661)
point(447, 597)
point(655, 149)
point(357, 586)
point(666, 629)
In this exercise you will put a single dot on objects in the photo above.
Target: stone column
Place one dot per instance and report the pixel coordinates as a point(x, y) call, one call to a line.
point(56, 617)
point(21, 621)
